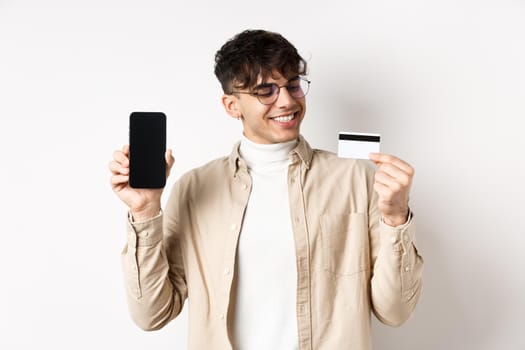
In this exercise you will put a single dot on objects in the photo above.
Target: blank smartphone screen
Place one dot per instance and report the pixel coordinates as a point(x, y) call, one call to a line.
point(147, 147)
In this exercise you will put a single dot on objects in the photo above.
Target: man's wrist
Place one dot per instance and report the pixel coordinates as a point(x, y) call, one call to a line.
point(396, 220)
point(145, 214)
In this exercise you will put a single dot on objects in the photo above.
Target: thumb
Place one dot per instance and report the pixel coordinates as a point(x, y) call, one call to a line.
point(169, 161)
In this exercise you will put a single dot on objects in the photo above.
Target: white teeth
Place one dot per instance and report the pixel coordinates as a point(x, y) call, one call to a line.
point(283, 119)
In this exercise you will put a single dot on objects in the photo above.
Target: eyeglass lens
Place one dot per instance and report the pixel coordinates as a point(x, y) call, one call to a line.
point(268, 93)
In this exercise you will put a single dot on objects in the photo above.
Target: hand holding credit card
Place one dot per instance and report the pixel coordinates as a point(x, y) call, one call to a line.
point(358, 145)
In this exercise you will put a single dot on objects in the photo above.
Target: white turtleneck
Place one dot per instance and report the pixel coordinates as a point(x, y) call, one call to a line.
point(265, 304)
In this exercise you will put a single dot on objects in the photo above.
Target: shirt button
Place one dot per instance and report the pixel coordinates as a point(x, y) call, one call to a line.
point(244, 187)
point(221, 316)
point(393, 239)
point(227, 271)
point(233, 227)
point(407, 268)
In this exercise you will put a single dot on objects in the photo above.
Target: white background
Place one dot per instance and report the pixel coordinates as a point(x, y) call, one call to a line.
point(442, 81)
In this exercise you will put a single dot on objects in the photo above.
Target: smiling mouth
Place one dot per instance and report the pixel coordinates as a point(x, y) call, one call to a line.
point(284, 118)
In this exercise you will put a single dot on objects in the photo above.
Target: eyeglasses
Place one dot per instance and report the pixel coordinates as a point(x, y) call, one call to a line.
point(268, 93)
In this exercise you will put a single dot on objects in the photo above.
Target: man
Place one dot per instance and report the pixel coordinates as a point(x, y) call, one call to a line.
point(276, 246)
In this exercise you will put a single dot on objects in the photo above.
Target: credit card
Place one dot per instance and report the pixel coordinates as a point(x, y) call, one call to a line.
point(358, 145)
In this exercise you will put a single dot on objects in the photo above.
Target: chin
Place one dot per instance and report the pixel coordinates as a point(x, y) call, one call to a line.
point(286, 138)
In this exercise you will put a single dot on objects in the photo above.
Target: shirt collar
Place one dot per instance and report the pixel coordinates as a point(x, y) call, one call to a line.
point(302, 152)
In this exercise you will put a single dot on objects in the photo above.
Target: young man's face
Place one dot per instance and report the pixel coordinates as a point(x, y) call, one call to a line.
point(266, 124)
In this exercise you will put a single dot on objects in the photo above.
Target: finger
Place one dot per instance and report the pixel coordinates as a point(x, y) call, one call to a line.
point(121, 158)
point(169, 161)
point(117, 180)
point(396, 173)
point(374, 158)
point(117, 169)
point(388, 158)
point(169, 158)
point(381, 158)
point(125, 150)
point(386, 180)
point(384, 192)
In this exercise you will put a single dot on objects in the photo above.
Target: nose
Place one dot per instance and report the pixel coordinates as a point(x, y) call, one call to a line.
point(284, 99)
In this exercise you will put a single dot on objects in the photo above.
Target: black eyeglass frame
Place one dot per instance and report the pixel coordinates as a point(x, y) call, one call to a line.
point(276, 90)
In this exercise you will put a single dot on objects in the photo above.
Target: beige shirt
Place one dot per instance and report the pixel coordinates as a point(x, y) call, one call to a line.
point(349, 263)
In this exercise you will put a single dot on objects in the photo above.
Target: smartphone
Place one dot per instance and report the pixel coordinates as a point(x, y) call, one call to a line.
point(147, 148)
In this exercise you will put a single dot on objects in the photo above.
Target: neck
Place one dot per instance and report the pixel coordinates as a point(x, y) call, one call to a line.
point(258, 155)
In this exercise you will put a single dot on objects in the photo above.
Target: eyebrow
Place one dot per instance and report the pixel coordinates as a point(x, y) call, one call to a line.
point(297, 77)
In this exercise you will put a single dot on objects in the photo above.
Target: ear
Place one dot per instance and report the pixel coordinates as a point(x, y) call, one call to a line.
point(231, 106)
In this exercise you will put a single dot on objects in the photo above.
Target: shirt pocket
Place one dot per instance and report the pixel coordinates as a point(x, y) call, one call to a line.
point(344, 243)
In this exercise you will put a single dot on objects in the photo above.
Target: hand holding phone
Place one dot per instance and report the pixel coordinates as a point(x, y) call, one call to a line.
point(144, 203)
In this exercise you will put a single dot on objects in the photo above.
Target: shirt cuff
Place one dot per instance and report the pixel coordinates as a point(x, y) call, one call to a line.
point(409, 216)
point(130, 218)
point(399, 237)
point(145, 233)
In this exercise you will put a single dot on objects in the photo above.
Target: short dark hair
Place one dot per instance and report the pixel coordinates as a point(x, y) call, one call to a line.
point(251, 53)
